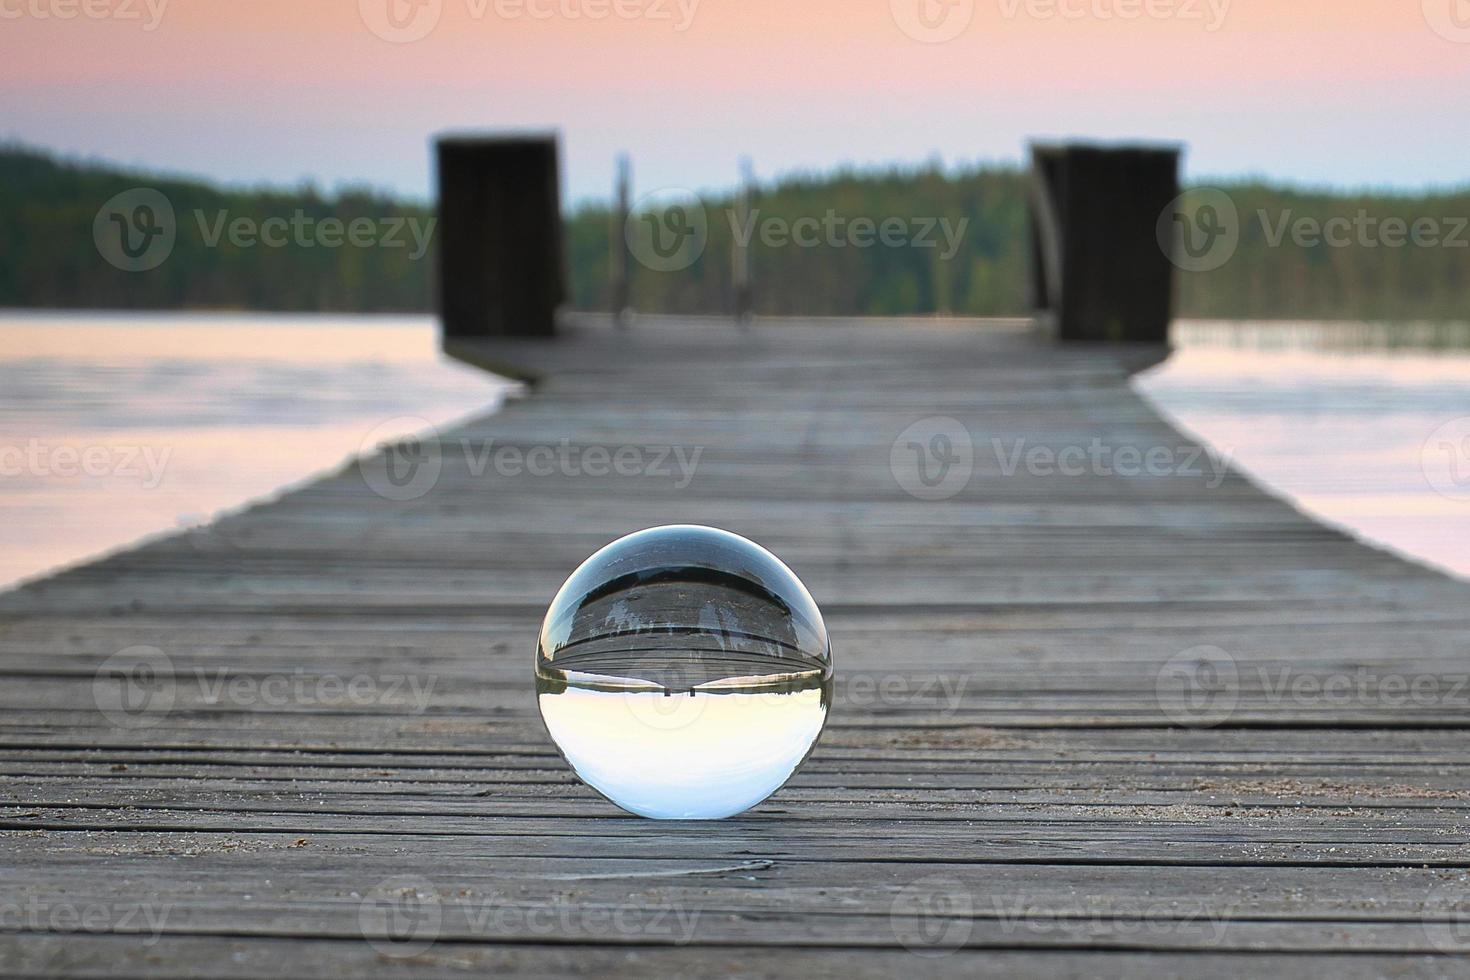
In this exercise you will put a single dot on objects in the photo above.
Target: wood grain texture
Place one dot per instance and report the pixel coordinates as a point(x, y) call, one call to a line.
point(1130, 721)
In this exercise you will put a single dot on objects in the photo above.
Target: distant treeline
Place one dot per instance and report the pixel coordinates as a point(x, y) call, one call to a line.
point(223, 254)
point(901, 241)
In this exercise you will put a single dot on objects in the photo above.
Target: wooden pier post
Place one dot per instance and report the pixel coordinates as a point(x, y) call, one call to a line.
point(500, 270)
point(622, 260)
point(1100, 272)
point(740, 250)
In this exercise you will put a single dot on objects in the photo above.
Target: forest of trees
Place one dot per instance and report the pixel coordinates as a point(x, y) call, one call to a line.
point(49, 257)
point(898, 241)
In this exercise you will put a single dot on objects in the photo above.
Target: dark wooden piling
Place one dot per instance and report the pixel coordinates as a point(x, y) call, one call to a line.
point(1101, 273)
point(500, 268)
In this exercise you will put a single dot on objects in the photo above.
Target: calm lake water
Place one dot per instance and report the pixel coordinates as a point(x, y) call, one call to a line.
point(1357, 428)
point(117, 427)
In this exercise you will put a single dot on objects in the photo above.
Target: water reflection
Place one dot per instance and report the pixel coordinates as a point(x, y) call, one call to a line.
point(1351, 422)
point(114, 427)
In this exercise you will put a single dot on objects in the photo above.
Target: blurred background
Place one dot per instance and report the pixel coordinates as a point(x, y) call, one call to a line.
point(217, 223)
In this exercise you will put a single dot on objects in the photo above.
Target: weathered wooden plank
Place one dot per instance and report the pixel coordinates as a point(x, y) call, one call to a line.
point(1022, 749)
point(234, 956)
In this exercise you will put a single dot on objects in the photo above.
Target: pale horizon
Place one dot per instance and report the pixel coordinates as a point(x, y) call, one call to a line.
point(277, 93)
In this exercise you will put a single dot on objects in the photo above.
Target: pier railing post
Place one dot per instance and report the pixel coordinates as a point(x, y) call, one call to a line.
point(740, 247)
point(622, 261)
point(1101, 274)
point(500, 269)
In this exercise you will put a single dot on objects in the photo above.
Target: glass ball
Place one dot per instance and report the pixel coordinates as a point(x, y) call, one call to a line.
point(684, 673)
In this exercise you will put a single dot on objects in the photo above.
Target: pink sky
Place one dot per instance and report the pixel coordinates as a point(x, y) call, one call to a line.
point(279, 90)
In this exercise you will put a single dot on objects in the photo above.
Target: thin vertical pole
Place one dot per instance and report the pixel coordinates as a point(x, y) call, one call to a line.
point(740, 246)
point(622, 266)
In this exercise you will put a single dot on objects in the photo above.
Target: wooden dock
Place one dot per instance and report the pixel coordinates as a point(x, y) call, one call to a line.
point(1133, 722)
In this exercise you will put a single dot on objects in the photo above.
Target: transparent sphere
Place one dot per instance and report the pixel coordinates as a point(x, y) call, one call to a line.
point(684, 672)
